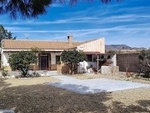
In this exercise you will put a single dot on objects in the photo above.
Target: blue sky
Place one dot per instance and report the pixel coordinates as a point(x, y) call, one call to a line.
point(127, 22)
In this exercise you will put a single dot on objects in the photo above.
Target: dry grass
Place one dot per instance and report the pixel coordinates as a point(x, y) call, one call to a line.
point(116, 77)
point(29, 81)
point(34, 96)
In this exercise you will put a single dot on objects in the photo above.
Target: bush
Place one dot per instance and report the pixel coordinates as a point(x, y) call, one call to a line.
point(22, 60)
point(144, 59)
point(4, 72)
point(71, 58)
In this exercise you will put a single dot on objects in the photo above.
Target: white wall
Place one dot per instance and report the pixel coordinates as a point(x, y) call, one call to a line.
point(114, 60)
point(82, 66)
point(93, 46)
point(5, 57)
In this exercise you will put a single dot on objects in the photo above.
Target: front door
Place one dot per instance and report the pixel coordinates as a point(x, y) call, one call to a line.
point(44, 62)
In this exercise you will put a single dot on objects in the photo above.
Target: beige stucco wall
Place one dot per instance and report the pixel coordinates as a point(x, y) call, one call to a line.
point(93, 46)
point(53, 57)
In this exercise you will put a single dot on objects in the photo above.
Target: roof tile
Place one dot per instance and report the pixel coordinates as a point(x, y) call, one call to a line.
point(26, 44)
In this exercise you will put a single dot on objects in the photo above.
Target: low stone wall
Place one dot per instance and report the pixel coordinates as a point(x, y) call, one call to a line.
point(109, 70)
point(53, 67)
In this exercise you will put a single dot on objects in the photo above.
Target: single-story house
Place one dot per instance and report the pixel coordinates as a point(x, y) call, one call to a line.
point(50, 50)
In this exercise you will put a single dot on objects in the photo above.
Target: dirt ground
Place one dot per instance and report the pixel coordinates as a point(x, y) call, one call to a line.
point(33, 95)
point(29, 81)
point(116, 77)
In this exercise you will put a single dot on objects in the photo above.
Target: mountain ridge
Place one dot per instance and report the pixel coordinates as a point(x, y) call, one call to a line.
point(118, 47)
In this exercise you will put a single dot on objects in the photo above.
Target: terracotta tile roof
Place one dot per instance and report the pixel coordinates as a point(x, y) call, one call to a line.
point(26, 44)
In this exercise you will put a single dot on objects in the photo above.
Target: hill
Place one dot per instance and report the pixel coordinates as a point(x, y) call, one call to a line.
point(119, 47)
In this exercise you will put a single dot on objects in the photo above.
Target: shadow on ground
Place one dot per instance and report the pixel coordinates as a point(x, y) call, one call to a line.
point(119, 107)
point(77, 88)
point(49, 99)
point(44, 99)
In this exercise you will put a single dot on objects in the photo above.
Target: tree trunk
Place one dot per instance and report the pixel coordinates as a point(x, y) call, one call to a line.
point(74, 68)
point(71, 68)
point(24, 72)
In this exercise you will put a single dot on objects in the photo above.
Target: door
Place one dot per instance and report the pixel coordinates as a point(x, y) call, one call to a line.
point(44, 62)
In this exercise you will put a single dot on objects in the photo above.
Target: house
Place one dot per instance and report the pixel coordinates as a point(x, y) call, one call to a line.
point(50, 50)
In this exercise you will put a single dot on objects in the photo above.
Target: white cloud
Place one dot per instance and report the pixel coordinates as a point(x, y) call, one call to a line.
point(13, 29)
point(121, 24)
point(89, 19)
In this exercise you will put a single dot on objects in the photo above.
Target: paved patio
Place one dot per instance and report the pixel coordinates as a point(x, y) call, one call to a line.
point(98, 85)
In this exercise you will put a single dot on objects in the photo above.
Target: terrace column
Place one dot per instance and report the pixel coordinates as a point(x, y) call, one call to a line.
point(97, 59)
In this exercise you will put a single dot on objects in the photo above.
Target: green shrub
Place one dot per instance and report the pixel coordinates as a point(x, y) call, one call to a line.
point(21, 61)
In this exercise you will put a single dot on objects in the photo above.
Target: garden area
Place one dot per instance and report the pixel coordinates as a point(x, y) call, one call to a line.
point(32, 94)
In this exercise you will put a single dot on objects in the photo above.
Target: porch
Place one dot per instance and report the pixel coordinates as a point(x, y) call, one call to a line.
point(46, 61)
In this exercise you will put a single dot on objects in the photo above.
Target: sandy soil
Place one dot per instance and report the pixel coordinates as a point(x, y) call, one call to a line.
point(34, 96)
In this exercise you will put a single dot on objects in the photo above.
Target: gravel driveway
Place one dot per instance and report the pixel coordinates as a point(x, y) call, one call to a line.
point(94, 85)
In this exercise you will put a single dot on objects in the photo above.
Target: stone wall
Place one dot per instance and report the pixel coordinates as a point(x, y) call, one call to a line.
point(128, 60)
point(105, 70)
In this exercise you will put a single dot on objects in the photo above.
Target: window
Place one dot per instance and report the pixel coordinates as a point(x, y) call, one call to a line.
point(57, 59)
point(89, 58)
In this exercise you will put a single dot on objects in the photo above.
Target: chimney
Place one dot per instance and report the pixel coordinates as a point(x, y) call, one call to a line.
point(70, 39)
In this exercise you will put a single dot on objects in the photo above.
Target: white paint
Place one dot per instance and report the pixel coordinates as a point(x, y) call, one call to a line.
point(114, 60)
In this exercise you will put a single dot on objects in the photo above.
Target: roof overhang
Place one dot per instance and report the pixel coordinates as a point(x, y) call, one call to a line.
point(14, 50)
point(92, 53)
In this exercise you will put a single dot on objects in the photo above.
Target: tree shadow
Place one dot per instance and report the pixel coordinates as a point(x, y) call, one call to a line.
point(144, 103)
point(119, 107)
point(77, 88)
point(49, 99)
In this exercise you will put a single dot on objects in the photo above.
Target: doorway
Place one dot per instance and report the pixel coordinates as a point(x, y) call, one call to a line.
point(44, 61)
